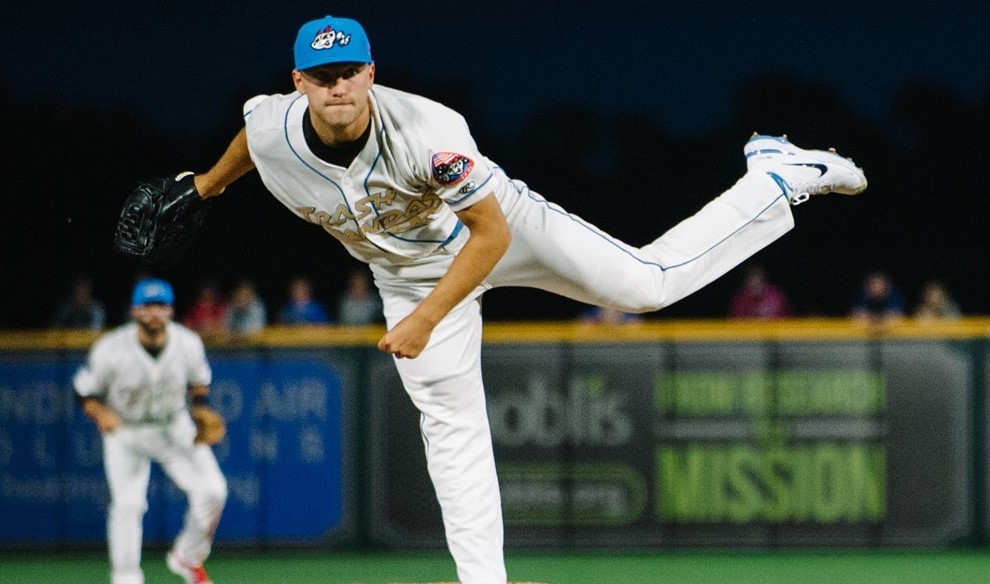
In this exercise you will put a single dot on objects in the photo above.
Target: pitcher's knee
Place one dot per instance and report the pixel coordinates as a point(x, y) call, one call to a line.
point(638, 304)
point(638, 295)
point(642, 308)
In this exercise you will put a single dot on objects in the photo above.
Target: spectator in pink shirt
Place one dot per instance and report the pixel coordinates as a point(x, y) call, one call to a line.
point(758, 298)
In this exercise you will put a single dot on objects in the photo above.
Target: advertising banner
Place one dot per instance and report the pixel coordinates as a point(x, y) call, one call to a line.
point(284, 455)
point(706, 443)
point(866, 442)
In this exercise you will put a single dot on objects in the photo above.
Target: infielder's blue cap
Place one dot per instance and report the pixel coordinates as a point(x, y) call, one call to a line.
point(331, 40)
point(152, 291)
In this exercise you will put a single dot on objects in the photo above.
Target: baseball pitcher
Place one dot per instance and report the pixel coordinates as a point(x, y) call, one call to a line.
point(399, 181)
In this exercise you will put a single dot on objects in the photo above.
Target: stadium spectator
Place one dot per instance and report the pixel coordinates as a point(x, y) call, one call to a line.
point(246, 313)
point(758, 298)
point(301, 307)
point(936, 303)
point(208, 312)
point(80, 310)
point(879, 301)
point(360, 303)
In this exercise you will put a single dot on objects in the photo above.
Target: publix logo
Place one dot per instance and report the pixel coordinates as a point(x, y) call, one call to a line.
point(584, 414)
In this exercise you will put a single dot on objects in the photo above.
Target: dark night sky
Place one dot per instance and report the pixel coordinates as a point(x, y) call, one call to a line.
point(180, 60)
point(185, 66)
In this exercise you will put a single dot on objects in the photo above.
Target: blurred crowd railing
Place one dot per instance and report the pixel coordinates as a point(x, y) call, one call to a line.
point(559, 331)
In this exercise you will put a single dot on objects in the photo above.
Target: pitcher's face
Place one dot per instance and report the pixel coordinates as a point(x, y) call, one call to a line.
point(338, 96)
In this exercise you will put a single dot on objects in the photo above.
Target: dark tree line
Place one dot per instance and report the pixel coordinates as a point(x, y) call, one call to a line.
point(67, 168)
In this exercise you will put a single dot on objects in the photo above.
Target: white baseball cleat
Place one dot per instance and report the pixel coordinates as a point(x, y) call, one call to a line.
point(803, 173)
point(191, 574)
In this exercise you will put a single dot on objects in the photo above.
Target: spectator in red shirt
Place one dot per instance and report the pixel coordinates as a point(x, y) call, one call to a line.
point(758, 298)
point(208, 312)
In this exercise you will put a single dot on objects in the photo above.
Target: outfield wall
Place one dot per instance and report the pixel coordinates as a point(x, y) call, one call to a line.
point(793, 433)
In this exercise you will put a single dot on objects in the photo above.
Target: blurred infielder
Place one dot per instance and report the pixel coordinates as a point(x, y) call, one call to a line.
point(134, 386)
point(398, 179)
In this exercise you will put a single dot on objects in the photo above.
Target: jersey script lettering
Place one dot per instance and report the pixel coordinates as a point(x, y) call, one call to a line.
point(416, 213)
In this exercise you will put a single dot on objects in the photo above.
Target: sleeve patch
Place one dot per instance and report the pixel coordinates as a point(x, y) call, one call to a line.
point(450, 168)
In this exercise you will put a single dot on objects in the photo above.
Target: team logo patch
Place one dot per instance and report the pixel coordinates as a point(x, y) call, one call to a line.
point(326, 38)
point(450, 168)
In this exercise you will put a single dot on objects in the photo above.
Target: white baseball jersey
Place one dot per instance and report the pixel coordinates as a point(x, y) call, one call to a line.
point(396, 201)
point(394, 207)
point(139, 387)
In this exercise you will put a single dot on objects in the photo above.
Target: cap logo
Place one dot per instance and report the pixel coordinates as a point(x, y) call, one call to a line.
point(154, 291)
point(326, 38)
point(450, 168)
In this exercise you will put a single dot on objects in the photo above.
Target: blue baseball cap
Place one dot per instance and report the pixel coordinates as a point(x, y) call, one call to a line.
point(152, 291)
point(331, 40)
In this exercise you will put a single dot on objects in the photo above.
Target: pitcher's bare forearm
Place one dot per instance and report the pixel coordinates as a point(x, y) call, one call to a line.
point(487, 243)
point(232, 165)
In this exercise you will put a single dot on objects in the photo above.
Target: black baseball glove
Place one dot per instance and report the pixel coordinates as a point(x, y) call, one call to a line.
point(160, 218)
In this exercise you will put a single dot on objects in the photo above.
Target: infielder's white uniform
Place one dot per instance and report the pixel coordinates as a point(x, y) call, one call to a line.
point(394, 208)
point(149, 394)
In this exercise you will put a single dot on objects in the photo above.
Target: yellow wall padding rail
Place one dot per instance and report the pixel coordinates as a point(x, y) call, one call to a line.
point(804, 329)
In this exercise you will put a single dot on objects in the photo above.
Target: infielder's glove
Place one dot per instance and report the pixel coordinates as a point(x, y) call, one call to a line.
point(210, 427)
point(160, 218)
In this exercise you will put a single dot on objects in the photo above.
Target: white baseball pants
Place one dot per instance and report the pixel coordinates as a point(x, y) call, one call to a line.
point(558, 252)
point(127, 456)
